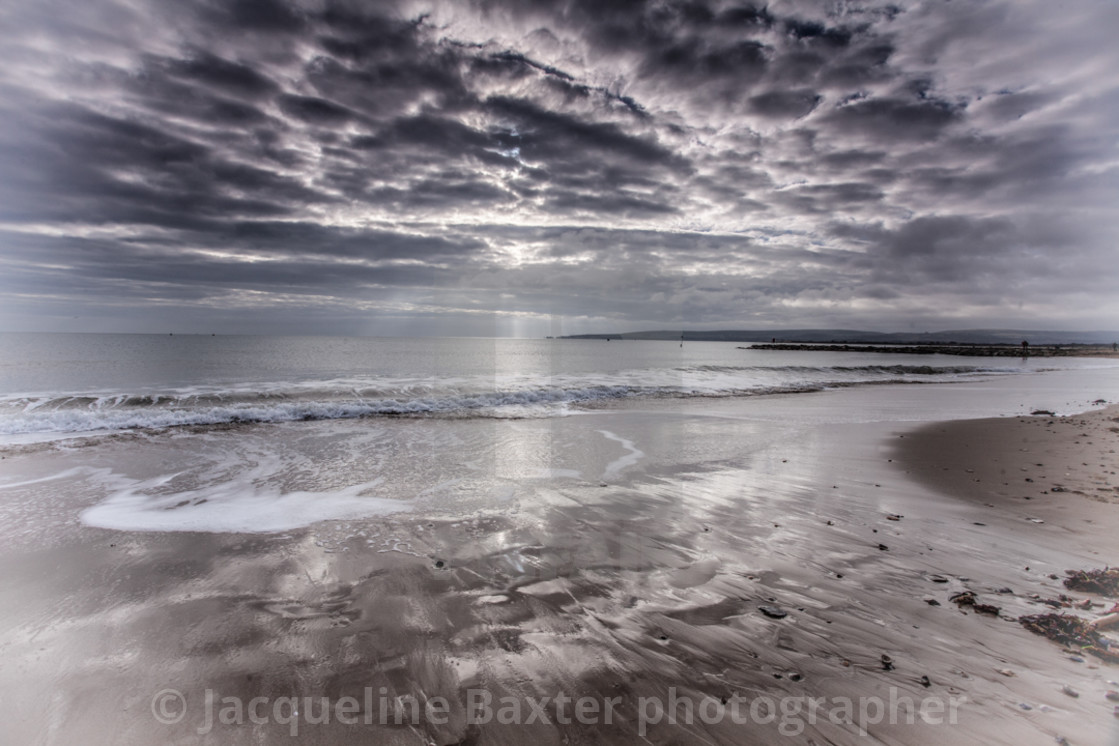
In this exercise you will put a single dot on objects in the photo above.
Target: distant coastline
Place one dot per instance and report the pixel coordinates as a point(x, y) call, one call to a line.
point(855, 336)
point(970, 350)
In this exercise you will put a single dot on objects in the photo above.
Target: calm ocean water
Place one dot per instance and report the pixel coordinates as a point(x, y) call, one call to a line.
point(76, 383)
point(267, 434)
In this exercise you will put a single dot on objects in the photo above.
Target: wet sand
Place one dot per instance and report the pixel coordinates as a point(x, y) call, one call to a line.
point(624, 592)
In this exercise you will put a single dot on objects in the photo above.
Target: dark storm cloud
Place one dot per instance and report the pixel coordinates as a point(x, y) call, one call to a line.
point(702, 161)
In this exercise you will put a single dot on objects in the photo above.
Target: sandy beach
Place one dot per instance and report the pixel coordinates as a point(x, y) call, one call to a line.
point(796, 591)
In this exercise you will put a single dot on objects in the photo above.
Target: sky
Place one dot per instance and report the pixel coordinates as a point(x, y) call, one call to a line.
point(504, 168)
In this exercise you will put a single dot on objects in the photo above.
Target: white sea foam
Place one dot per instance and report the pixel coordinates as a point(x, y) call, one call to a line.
point(238, 506)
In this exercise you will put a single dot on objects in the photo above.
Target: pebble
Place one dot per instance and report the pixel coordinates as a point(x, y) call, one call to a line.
point(1006, 672)
point(773, 612)
point(887, 663)
point(925, 682)
point(1112, 695)
point(1070, 691)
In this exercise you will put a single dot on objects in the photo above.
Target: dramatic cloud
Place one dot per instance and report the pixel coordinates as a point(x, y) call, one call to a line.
point(559, 166)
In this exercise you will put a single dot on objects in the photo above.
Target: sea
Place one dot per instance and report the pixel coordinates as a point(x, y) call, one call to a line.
point(267, 434)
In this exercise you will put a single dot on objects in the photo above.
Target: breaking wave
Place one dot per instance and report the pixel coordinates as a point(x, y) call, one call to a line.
point(453, 397)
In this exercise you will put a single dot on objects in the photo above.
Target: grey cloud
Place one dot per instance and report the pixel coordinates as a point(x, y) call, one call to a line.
point(268, 16)
point(828, 198)
point(785, 104)
point(681, 160)
point(894, 118)
point(210, 70)
point(314, 110)
point(549, 135)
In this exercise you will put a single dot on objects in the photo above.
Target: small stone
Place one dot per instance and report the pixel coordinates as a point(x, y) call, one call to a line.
point(1112, 695)
point(938, 579)
point(925, 682)
point(1005, 590)
point(932, 602)
point(440, 564)
point(773, 612)
point(887, 663)
point(883, 547)
point(1007, 672)
point(1066, 689)
point(1024, 706)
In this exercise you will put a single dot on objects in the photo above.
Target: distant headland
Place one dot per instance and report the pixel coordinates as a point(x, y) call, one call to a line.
point(959, 337)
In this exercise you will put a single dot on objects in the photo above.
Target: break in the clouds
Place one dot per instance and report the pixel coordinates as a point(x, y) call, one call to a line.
point(516, 167)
